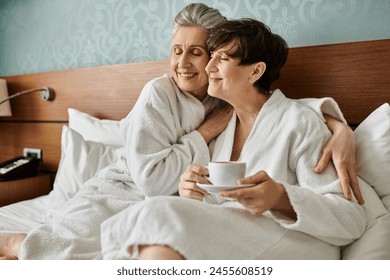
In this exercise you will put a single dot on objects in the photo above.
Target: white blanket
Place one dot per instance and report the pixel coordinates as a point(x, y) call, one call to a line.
point(286, 142)
point(23, 216)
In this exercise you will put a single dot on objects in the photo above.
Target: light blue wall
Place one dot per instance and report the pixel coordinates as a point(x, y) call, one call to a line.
point(47, 35)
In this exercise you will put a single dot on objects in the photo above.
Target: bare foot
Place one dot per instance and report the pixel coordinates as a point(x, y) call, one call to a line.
point(10, 245)
point(8, 258)
point(158, 252)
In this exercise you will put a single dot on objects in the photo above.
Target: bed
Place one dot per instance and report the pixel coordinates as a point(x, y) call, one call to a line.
point(91, 101)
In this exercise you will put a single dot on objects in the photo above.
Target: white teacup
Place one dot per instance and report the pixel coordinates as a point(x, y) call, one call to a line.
point(226, 173)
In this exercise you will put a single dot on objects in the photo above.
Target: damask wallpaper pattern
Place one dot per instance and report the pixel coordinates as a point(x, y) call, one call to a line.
point(47, 35)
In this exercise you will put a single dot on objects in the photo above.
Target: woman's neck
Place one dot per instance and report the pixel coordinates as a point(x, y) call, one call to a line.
point(247, 112)
point(249, 108)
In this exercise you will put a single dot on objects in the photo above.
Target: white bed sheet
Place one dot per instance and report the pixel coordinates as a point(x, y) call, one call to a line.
point(23, 216)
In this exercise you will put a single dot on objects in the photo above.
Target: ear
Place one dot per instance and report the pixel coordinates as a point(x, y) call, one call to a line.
point(258, 71)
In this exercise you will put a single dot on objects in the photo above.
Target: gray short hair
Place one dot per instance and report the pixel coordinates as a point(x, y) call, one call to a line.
point(198, 14)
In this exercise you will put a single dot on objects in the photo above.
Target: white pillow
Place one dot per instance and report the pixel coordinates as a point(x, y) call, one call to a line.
point(374, 244)
point(80, 161)
point(375, 241)
point(94, 129)
point(372, 138)
point(373, 152)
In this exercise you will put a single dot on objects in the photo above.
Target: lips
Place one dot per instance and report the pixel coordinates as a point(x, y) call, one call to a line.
point(186, 75)
point(214, 79)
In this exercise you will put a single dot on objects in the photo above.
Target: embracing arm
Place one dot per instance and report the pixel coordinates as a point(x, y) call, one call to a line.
point(161, 139)
point(340, 148)
point(216, 122)
point(318, 201)
point(157, 146)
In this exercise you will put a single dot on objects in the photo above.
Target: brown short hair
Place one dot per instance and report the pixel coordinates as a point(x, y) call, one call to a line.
point(256, 43)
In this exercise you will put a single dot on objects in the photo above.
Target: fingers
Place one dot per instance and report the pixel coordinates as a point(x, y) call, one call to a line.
point(243, 193)
point(232, 193)
point(347, 176)
point(188, 187)
point(257, 178)
point(193, 194)
point(239, 194)
point(195, 173)
point(355, 186)
point(349, 182)
point(343, 175)
point(345, 186)
point(191, 190)
point(249, 198)
point(192, 177)
point(324, 161)
point(341, 149)
point(199, 169)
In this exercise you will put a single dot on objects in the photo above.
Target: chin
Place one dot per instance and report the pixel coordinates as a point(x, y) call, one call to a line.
point(212, 92)
point(186, 88)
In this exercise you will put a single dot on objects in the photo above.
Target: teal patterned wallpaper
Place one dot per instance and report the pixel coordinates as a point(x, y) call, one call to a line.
point(47, 35)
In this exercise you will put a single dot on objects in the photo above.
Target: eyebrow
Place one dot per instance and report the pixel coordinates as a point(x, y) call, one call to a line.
point(192, 46)
point(225, 52)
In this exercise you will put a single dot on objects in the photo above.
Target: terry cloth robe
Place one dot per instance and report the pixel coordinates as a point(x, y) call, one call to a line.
point(160, 142)
point(286, 141)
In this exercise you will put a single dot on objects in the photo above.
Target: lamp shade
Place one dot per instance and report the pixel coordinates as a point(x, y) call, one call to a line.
point(5, 108)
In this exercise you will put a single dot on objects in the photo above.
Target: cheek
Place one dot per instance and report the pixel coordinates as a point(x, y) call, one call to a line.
point(202, 69)
point(202, 63)
point(203, 75)
point(172, 64)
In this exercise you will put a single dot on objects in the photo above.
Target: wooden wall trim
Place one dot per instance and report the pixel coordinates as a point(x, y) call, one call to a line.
point(104, 91)
point(355, 74)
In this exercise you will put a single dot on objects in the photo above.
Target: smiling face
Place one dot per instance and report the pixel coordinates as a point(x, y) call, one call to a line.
point(189, 59)
point(228, 80)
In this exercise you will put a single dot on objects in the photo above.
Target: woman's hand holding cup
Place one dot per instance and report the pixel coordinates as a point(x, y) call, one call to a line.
point(188, 187)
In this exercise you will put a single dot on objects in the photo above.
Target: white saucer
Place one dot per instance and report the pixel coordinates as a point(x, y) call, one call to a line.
point(217, 189)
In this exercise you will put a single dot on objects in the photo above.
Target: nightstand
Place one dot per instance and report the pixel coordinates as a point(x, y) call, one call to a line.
point(22, 189)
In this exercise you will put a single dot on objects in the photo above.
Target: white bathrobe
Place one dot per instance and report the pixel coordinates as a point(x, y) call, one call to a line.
point(286, 142)
point(161, 141)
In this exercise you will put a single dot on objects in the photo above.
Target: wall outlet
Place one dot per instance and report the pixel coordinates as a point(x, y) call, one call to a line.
point(27, 152)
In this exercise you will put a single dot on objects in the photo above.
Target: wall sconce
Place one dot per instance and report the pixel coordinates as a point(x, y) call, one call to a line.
point(5, 109)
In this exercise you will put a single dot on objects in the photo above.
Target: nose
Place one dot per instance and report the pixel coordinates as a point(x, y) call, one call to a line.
point(184, 61)
point(210, 67)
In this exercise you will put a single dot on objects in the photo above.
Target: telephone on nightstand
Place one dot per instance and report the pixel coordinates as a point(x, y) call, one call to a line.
point(18, 168)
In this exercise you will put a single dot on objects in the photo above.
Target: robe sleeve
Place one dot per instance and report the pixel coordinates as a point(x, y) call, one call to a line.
point(323, 106)
point(321, 209)
point(157, 149)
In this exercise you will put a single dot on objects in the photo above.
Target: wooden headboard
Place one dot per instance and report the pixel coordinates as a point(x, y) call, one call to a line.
point(356, 74)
